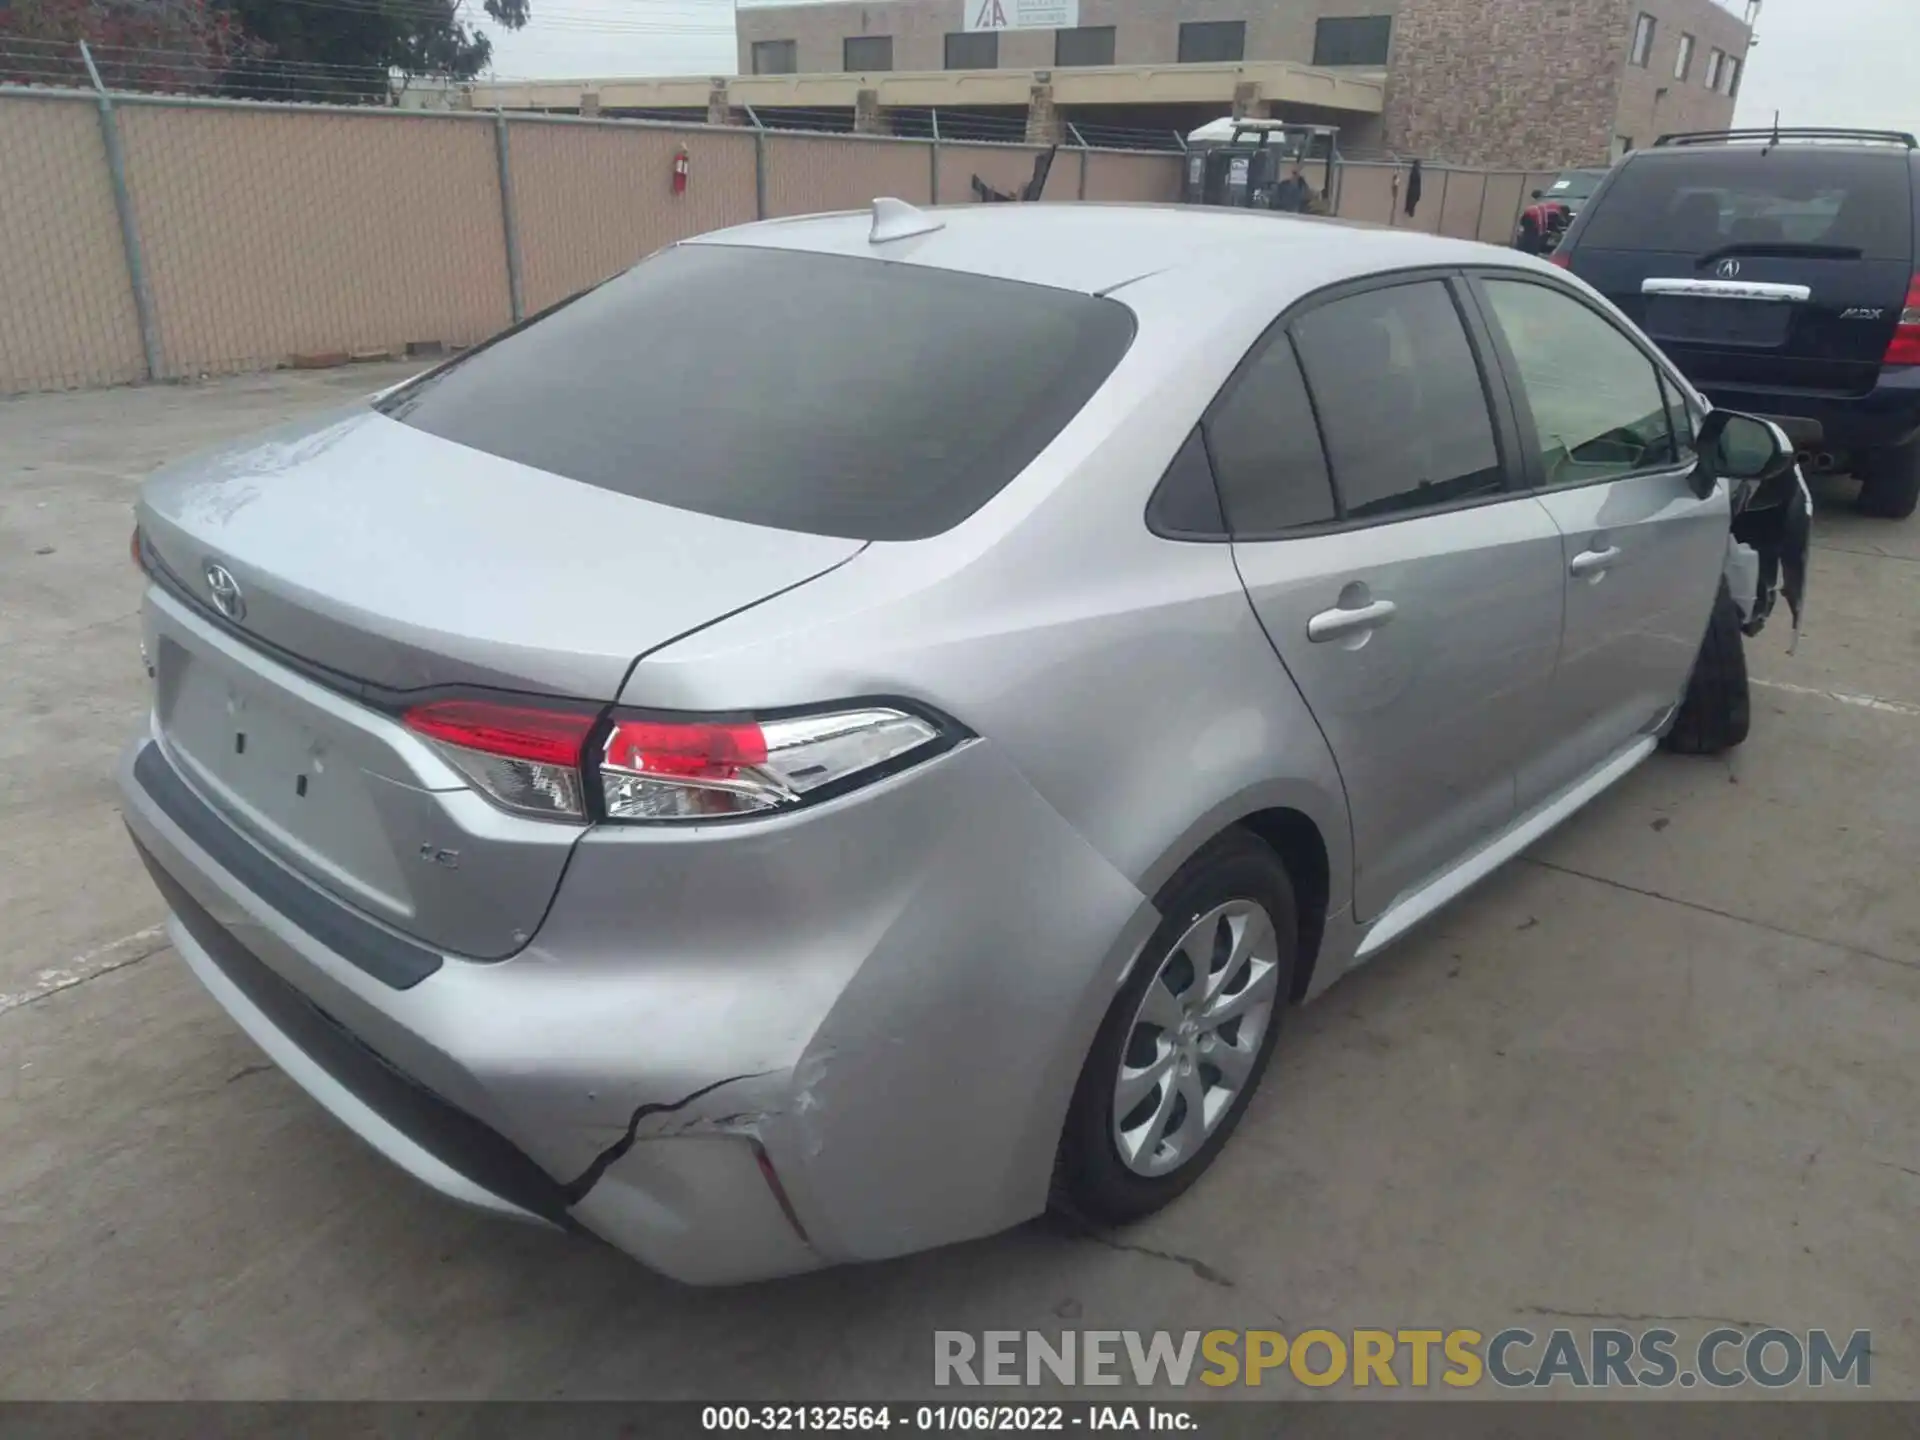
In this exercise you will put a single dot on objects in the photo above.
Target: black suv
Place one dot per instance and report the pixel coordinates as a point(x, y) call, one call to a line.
point(1777, 268)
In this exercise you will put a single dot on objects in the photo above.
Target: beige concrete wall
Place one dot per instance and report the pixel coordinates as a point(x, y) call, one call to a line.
point(807, 173)
point(271, 233)
point(1465, 204)
point(1154, 178)
point(268, 234)
point(1457, 206)
point(590, 200)
point(1506, 198)
point(1006, 168)
point(1366, 193)
point(66, 309)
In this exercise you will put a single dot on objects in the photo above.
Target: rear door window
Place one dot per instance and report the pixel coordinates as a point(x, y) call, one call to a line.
point(1400, 400)
point(820, 393)
point(1266, 448)
point(1851, 204)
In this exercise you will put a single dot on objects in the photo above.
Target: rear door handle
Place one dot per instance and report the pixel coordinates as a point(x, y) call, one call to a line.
point(1338, 624)
point(1594, 562)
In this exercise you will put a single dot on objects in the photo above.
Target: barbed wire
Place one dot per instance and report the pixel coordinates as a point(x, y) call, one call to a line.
point(548, 17)
point(177, 69)
point(1126, 137)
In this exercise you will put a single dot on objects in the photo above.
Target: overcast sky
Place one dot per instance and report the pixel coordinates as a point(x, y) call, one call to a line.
point(1819, 62)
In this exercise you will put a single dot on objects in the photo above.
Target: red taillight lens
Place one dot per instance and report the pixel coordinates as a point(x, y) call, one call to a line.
point(531, 759)
point(519, 732)
point(672, 770)
point(1562, 259)
point(689, 752)
point(1904, 349)
point(137, 550)
point(525, 758)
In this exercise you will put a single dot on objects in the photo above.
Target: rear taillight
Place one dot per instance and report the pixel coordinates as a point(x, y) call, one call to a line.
point(1561, 258)
point(693, 770)
point(1904, 349)
point(524, 758)
point(137, 550)
point(535, 760)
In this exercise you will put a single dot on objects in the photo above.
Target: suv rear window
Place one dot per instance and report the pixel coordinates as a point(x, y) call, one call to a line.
point(820, 393)
point(1575, 184)
point(1699, 201)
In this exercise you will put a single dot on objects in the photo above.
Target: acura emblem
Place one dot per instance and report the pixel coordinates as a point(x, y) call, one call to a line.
point(1728, 269)
point(225, 591)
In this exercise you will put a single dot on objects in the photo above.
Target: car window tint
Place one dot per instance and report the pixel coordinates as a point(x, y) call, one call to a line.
point(1681, 417)
point(1266, 448)
point(1399, 399)
point(819, 393)
point(1598, 407)
point(1186, 503)
point(1700, 201)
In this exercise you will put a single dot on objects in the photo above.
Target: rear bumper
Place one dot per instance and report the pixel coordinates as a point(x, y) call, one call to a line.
point(1889, 414)
point(864, 1048)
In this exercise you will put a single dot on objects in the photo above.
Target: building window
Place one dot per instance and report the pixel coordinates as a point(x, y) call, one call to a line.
point(1683, 66)
point(1716, 61)
point(861, 53)
point(1084, 45)
point(1730, 72)
point(1643, 29)
point(1211, 42)
point(974, 50)
point(776, 57)
point(1352, 40)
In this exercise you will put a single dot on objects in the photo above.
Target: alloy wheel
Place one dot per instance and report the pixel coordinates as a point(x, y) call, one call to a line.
point(1195, 1037)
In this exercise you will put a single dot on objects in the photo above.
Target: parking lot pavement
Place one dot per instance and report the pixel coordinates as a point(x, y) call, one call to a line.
point(1661, 1070)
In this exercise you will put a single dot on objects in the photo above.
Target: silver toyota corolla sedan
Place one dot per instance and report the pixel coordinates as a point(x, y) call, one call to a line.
point(859, 727)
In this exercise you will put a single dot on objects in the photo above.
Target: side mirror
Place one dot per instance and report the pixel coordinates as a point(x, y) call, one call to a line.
point(1539, 194)
point(1741, 449)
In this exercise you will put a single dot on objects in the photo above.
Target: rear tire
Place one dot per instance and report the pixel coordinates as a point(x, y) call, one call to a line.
point(1717, 710)
point(1890, 482)
point(1242, 879)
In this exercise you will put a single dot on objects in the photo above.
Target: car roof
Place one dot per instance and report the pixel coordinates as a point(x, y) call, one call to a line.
point(1666, 153)
point(1097, 248)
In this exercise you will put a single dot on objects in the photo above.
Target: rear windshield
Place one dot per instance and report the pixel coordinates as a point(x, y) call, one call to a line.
point(1575, 185)
point(1701, 201)
point(827, 394)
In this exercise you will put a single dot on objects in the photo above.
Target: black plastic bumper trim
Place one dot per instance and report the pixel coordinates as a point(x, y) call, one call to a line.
point(464, 1144)
point(387, 957)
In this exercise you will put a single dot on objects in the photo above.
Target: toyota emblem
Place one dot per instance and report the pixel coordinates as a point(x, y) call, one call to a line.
point(225, 591)
point(1728, 269)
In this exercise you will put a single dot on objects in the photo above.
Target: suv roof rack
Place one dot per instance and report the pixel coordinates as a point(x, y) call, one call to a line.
point(1789, 132)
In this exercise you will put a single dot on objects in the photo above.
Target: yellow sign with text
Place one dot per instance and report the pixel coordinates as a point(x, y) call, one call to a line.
point(1319, 1358)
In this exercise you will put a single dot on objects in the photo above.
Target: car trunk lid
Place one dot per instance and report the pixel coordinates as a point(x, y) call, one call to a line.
point(317, 581)
point(386, 555)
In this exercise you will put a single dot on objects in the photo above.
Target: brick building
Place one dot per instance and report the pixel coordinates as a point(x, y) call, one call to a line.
point(1497, 82)
point(1486, 82)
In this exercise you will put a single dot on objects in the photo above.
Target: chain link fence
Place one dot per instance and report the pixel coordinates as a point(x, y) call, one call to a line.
point(149, 236)
point(166, 237)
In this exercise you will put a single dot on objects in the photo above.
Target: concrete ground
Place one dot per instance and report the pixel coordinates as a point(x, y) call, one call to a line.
point(1662, 1070)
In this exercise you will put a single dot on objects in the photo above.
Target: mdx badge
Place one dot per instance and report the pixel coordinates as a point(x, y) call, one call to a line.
point(224, 591)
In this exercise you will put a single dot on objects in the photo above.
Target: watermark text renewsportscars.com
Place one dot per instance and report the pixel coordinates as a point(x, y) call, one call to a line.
point(1600, 1358)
